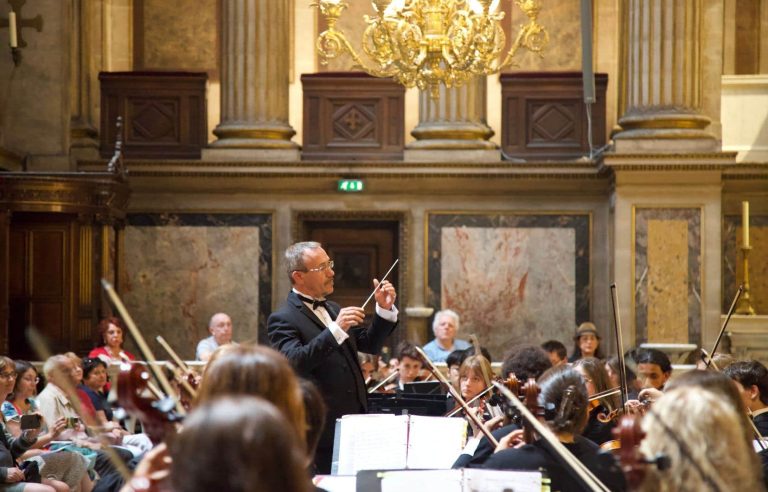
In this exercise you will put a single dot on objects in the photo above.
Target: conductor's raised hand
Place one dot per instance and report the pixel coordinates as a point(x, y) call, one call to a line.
point(349, 317)
point(385, 294)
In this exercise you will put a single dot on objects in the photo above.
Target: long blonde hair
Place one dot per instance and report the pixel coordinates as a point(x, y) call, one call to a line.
point(702, 436)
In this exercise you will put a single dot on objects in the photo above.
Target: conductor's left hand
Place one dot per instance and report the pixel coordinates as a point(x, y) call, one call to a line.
point(385, 294)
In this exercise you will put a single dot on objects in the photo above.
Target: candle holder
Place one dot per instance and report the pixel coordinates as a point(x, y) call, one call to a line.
point(16, 56)
point(745, 302)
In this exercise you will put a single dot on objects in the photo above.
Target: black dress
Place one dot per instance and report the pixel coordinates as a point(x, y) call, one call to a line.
point(540, 455)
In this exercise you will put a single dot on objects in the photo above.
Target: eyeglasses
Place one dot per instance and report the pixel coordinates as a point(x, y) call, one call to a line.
point(8, 375)
point(321, 268)
point(32, 380)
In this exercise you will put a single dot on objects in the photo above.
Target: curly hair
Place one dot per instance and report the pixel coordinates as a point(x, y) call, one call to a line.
point(680, 426)
point(525, 361)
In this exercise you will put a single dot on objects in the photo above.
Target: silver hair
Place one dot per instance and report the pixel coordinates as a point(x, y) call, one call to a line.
point(294, 257)
point(53, 363)
point(446, 312)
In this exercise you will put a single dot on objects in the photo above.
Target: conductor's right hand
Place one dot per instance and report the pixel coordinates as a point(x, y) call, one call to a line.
point(349, 317)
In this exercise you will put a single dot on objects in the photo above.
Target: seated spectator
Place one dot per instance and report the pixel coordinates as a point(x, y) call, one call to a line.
point(557, 352)
point(220, 327)
point(12, 477)
point(586, 342)
point(109, 346)
point(445, 326)
point(70, 468)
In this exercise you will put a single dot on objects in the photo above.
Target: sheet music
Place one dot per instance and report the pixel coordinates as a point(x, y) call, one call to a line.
point(336, 483)
point(435, 442)
point(467, 480)
point(372, 442)
point(501, 480)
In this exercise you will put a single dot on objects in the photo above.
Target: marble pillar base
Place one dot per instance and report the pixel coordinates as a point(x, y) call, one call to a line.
point(749, 339)
point(254, 136)
point(447, 154)
point(253, 154)
point(664, 141)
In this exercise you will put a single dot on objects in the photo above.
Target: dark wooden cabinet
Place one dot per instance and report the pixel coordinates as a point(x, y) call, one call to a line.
point(544, 117)
point(164, 114)
point(352, 116)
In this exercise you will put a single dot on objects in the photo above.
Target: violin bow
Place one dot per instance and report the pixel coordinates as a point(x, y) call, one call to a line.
point(619, 347)
point(468, 411)
point(725, 324)
point(384, 381)
point(143, 347)
point(180, 366)
point(577, 466)
point(43, 353)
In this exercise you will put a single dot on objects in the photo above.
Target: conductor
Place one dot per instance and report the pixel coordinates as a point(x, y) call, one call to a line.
point(321, 339)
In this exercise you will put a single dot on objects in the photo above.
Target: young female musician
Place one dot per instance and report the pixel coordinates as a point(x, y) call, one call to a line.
point(596, 380)
point(564, 388)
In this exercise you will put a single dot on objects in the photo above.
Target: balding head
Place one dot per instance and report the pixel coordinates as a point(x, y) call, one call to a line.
point(220, 327)
point(60, 370)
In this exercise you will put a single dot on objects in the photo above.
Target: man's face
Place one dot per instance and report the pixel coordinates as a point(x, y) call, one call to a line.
point(555, 359)
point(445, 330)
point(221, 328)
point(750, 396)
point(651, 376)
point(317, 280)
point(66, 374)
point(409, 369)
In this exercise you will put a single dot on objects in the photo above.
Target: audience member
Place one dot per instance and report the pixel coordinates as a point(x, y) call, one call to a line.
point(445, 326)
point(586, 342)
point(220, 327)
point(109, 346)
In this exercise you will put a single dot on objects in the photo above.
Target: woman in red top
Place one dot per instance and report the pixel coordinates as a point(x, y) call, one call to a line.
point(110, 348)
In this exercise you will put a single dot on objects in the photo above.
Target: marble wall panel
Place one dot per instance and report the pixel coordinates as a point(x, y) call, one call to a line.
point(182, 268)
point(733, 264)
point(179, 35)
point(512, 278)
point(667, 275)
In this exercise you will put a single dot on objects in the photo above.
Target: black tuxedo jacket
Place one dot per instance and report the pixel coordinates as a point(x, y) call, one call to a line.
point(297, 333)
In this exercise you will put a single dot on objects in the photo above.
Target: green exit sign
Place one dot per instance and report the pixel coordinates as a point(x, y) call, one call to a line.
point(350, 185)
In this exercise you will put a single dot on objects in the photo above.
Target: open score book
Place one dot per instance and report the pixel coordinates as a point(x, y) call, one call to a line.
point(396, 442)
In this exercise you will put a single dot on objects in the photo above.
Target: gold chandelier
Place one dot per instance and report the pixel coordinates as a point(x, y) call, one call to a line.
point(425, 43)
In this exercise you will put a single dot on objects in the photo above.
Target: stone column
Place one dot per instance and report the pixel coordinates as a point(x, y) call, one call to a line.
point(453, 127)
point(254, 83)
point(663, 94)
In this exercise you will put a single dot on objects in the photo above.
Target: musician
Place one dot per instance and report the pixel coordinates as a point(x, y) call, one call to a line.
point(596, 381)
point(557, 352)
point(444, 327)
point(220, 327)
point(751, 379)
point(366, 362)
point(239, 444)
point(564, 388)
point(321, 340)
point(410, 364)
point(525, 361)
point(653, 368)
point(700, 433)
point(586, 342)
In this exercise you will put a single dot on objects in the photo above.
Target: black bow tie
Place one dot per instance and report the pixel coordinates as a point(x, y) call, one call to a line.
point(315, 303)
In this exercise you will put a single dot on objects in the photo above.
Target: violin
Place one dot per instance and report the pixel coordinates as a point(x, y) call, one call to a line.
point(633, 464)
point(158, 416)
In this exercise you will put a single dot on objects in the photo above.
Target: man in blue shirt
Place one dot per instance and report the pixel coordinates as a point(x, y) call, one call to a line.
point(445, 326)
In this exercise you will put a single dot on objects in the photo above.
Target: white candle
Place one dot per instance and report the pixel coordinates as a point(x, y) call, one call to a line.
point(12, 29)
point(745, 224)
